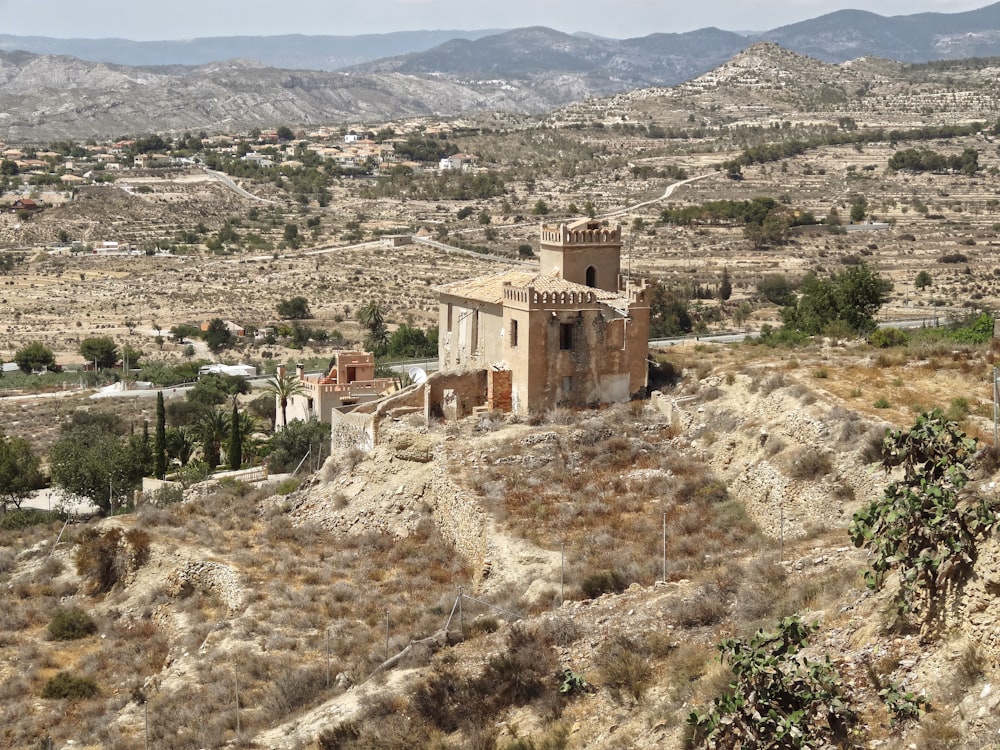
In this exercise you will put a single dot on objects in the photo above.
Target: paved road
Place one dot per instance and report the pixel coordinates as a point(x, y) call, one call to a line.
point(228, 182)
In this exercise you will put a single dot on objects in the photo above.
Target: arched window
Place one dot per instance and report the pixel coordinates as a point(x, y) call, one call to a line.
point(591, 276)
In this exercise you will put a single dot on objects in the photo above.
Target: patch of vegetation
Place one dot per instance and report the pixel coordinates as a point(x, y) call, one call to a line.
point(69, 686)
point(105, 558)
point(922, 526)
point(70, 624)
point(777, 694)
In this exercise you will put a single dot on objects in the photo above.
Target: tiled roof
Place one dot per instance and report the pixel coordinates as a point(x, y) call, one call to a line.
point(489, 289)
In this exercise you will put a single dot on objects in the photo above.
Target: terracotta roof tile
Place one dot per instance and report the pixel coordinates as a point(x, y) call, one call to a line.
point(489, 289)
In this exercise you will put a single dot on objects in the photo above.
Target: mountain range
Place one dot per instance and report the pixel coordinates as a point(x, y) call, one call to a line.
point(49, 90)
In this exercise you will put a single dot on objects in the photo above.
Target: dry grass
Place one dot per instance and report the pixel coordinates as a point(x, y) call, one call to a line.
point(601, 486)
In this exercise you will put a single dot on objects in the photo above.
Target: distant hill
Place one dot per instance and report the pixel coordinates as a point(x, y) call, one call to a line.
point(541, 53)
point(530, 70)
point(834, 37)
point(848, 34)
point(287, 51)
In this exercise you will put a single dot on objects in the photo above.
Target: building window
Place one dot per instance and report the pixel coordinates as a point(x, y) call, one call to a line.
point(474, 347)
point(567, 383)
point(309, 404)
point(565, 336)
point(591, 276)
point(513, 333)
point(448, 329)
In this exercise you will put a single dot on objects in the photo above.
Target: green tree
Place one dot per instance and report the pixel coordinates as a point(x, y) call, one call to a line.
point(726, 286)
point(234, 452)
point(541, 208)
point(283, 386)
point(20, 472)
point(776, 289)
point(218, 336)
point(179, 444)
point(91, 458)
point(34, 356)
point(100, 350)
point(852, 297)
point(215, 389)
point(289, 446)
point(285, 133)
point(296, 308)
point(291, 235)
point(409, 342)
point(859, 208)
point(668, 313)
point(160, 438)
point(923, 280)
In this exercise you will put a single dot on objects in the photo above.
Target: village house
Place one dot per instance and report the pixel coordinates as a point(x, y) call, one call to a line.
point(575, 332)
point(458, 162)
point(234, 328)
point(350, 381)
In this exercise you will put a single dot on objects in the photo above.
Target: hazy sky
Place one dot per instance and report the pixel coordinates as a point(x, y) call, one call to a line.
point(187, 19)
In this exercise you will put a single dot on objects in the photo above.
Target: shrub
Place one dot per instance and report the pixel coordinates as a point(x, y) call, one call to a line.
point(69, 686)
point(922, 525)
point(810, 464)
point(105, 559)
point(775, 694)
point(603, 582)
point(706, 606)
point(70, 624)
point(883, 338)
point(624, 668)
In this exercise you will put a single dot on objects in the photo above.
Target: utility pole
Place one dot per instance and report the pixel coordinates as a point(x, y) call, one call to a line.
point(664, 546)
point(996, 410)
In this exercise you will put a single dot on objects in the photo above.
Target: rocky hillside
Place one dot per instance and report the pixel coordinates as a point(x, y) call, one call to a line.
point(440, 590)
point(48, 97)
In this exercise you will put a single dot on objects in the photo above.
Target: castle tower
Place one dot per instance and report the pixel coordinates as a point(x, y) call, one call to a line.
point(583, 252)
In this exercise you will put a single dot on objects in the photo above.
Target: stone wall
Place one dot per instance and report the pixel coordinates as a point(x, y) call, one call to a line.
point(469, 390)
point(353, 430)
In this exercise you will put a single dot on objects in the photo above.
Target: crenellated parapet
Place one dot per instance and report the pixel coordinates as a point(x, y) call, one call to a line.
point(581, 233)
point(532, 298)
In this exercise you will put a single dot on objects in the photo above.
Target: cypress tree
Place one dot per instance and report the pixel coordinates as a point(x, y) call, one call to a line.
point(160, 439)
point(235, 451)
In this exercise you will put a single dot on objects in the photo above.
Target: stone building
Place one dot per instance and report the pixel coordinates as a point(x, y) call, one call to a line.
point(575, 332)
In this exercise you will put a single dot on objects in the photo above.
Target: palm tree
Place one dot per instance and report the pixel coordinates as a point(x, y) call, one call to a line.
point(283, 386)
point(372, 317)
point(249, 426)
point(179, 444)
point(214, 427)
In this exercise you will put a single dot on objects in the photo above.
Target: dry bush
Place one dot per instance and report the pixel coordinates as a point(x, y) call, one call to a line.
point(523, 672)
point(561, 631)
point(809, 464)
point(967, 671)
point(770, 384)
point(623, 664)
point(602, 582)
point(707, 605)
point(292, 690)
point(774, 445)
point(937, 733)
point(759, 592)
point(871, 445)
point(106, 558)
